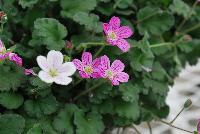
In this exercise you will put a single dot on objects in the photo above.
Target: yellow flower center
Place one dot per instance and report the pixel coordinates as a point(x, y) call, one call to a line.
point(53, 72)
point(109, 73)
point(112, 35)
point(88, 69)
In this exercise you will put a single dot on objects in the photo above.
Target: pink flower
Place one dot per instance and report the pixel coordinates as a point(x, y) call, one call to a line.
point(29, 72)
point(113, 72)
point(117, 34)
point(14, 57)
point(87, 68)
point(198, 127)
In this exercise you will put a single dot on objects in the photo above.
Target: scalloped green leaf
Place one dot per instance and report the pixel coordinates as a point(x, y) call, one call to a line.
point(40, 107)
point(36, 129)
point(180, 7)
point(11, 100)
point(90, 21)
point(27, 3)
point(154, 21)
point(90, 123)
point(63, 122)
point(49, 32)
point(71, 7)
point(11, 124)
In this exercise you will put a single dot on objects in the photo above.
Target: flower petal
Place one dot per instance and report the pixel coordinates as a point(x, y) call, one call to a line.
point(55, 58)
point(96, 63)
point(86, 58)
point(42, 63)
point(122, 77)
point(106, 28)
point(95, 75)
point(105, 62)
point(78, 64)
point(68, 68)
point(115, 82)
point(124, 32)
point(114, 22)
point(117, 66)
point(123, 45)
point(62, 79)
point(83, 74)
point(44, 76)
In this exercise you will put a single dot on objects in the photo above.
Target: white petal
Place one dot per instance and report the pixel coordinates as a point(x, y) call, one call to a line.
point(44, 76)
point(55, 58)
point(62, 79)
point(68, 68)
point(43, 64)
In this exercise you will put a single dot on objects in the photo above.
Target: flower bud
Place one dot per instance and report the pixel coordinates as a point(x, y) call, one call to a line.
point(188, 103)
point(69, 45)
point(187, 38)
point(67, 58)
point(3, 17)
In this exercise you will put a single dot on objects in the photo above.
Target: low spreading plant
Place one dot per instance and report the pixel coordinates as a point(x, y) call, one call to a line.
point(89, 66)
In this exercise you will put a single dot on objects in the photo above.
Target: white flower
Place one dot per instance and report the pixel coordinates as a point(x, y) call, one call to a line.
point(53, 69)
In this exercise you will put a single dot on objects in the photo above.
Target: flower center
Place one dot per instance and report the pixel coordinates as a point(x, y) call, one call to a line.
point(109, 74)
point(53, 72)
point(88, 69)
point(112, 35)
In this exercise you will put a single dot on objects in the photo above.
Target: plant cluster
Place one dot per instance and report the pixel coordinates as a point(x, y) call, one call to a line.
point(138, 48)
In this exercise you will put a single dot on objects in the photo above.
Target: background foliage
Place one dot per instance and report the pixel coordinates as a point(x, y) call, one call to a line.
point(29, 106)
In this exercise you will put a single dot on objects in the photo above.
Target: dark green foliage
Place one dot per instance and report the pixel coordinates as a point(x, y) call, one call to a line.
point(36, 26)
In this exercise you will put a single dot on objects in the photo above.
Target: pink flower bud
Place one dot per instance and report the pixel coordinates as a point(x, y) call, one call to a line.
point(69, 45)
point(29, 72)
point(14, 57)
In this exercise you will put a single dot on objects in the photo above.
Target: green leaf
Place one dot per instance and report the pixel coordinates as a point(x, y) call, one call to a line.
point(41, 107)
point(156, 86)
point(90, 21)
point(63, 122)
point(71, 7)
point(123, 3)
point(90, 123)
point(11, 76)
point(11, 124)
point(27, 3)
point(130, 93)
point(142, 57)
point(11, 100)
point(130, 110)
point(180, 7)
point(36, 129)
point(154, 21)
point(49, 32)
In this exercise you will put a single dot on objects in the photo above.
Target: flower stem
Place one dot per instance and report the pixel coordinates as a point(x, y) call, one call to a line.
point(99, 51)
point(150, 129)
point(88, 90)
point(177, 115)
point(136, 130)
point(188, 16)
point(85, 45)
point(149, 16)
point(191, 29)
point(162, 44)
point(169, 124)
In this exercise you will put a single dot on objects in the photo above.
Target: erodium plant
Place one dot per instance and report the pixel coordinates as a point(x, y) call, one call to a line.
point(75, 66)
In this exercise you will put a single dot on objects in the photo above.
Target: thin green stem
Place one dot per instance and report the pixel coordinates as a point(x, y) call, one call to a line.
point(177, 115)
point(99, 51)
point(162, 44)
point(88, 90)
point(191, 29)
point(89, 44)
point(149, 16)
point(188, 16)
point(136, 130)
point(169, 124)
point(150, 128)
